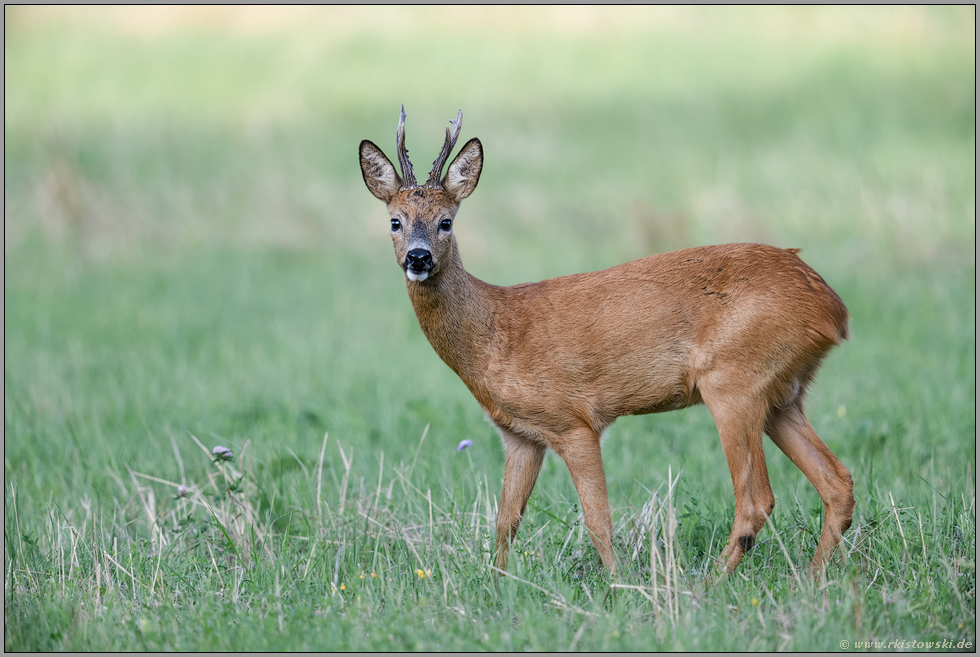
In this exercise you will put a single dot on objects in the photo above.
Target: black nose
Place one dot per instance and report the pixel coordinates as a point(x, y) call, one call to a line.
point(418, 260)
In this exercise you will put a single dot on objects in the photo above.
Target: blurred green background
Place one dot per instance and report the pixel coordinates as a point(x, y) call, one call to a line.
point(189, 247)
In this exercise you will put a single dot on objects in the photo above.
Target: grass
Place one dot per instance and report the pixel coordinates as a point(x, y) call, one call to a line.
point(191, 259)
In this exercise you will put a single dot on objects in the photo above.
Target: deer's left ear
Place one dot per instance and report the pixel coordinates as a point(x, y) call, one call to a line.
point(464, 172)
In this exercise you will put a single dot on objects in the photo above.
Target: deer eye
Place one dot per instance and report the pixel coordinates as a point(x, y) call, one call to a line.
point(395, 225)
point(446, 225)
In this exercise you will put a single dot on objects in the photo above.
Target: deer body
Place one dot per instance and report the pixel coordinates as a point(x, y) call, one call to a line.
point(739, 327)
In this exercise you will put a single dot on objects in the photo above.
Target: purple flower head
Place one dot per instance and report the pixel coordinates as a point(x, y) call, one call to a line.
point(221, 453)
point(183, 491)
point(463, 444)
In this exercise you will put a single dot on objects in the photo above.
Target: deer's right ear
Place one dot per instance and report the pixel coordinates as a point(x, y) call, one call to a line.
point(379, 173)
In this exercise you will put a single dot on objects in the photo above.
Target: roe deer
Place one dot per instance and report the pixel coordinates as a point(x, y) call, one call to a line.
point(739, 327)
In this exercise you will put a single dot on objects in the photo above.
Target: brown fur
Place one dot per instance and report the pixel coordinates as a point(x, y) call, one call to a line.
point(739, 327)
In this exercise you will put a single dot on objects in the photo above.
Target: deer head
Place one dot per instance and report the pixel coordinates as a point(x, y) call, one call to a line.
point(422, 215)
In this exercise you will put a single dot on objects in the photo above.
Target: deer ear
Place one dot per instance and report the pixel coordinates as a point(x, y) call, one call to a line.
point(379, 174)
point(464, 172)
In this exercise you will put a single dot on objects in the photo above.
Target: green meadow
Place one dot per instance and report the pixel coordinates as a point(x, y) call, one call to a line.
point(191, 260)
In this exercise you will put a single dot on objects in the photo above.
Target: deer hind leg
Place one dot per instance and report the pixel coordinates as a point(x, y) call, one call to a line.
point(740, 422)
point(791, 432)
point(581, 453)
point(521, 467)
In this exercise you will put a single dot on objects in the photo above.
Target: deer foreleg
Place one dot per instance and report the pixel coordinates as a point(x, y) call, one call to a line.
point(580, 450)
point(521, 467)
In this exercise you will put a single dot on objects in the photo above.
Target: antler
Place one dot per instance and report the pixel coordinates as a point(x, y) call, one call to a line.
point(436, 172)
point(408, 176)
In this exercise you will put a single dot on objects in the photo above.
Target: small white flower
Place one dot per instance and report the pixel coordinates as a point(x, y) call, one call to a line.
point(183, 491)
point(221, 453)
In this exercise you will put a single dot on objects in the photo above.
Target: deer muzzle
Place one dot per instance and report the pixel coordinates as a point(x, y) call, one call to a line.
point(418, 264)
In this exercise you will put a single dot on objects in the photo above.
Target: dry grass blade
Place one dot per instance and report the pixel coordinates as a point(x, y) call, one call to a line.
point(421, 494)
point(898, 521)
point(658, 520)
point(148, 504)
point(782, 546)
point(556, 598)
point(319, 479)
point(418, 449)
point(343, 483)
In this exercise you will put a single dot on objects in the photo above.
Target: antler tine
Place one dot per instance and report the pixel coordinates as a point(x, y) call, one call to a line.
point(408, 176)
point(436, 172)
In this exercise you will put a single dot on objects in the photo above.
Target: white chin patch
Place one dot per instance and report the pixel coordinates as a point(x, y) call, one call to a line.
point(416, 277)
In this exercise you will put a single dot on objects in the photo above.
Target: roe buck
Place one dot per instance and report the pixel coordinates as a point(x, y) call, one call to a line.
point(739, 327)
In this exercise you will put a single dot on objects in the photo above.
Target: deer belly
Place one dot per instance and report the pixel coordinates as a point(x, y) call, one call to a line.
point(542, 403)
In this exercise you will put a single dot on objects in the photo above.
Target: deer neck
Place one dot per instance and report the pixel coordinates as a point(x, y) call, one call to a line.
point(454, 311)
